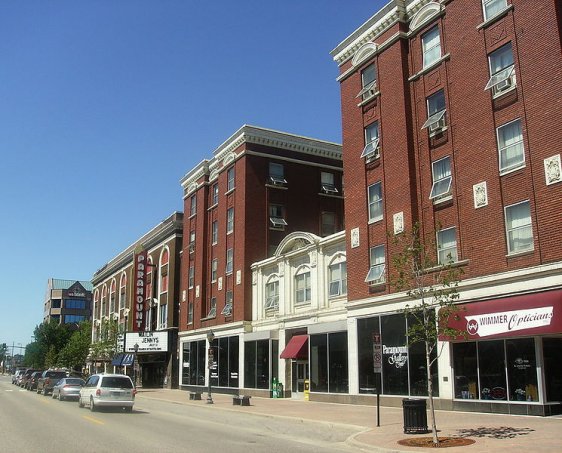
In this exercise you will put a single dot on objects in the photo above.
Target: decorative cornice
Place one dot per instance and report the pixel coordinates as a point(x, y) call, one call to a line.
point(196, 173)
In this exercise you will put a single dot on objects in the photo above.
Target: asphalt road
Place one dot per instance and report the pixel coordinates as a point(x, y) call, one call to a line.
point(30, 422)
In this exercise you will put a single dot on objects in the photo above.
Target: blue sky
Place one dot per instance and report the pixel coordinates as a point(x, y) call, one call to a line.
point(98, 97)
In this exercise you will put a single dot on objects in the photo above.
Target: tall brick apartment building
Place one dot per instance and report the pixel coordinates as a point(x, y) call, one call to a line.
point(259, 186)
point(451, 114)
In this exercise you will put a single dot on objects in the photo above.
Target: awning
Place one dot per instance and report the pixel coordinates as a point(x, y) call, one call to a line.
point(529, 314)
point(296, 348)
point(122, 359)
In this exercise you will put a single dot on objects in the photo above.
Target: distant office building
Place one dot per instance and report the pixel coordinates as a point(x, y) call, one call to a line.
point(67, 301)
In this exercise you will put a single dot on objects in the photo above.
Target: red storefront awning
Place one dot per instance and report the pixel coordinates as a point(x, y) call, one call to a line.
point(296, 348)
point(530, 314)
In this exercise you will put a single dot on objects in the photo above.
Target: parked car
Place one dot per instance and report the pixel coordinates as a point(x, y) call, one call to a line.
point(48, 380)
point(68, 388)
point(17, 375)
point(103, 390)
point(31, 383)
point(26, 375)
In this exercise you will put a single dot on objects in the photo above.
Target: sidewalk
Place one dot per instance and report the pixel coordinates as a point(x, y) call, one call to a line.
point(492, 432)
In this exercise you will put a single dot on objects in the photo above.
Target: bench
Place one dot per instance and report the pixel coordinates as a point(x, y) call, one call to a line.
point(241, 400)
point(195, 396)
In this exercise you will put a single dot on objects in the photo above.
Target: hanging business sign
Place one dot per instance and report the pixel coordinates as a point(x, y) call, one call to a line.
point(140, 291)
point(147, 341)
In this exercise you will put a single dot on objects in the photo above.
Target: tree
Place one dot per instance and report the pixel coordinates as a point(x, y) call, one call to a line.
point(50, 338)
point(104, 348)
point(433, 288)
point(75, 352)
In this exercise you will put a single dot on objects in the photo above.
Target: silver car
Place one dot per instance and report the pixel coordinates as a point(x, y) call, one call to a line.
point(68, 388)
point(104, 390)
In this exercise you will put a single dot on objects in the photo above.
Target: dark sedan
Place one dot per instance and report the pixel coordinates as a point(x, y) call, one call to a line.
point(68, 388)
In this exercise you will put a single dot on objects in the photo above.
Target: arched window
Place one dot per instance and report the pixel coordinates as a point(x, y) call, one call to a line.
point(103, 302)
point(112, 296)
point(337, 276)
point(272, 294)
point(96, 304)
point(303, 293)
point(123, 291)
point(164, 259)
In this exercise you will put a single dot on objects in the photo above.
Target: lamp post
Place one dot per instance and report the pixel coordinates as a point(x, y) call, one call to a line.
point(135, 363)
point(210, 360)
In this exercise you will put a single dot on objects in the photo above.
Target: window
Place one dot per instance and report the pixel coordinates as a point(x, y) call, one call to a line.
point(277, 216)
point(510, 146)
point(229, 220)
point(371, 150)
point(337, 274)
point(302, 288)
point(328, 223)
point(431, 46)
point(122, 292)
point(214, 232)
point(327, 182)
point(215, 195)
point(164, 259)
point(493, 7)
point(375, 202)
point(112, 297)
point(193, 207)
point(78, 304)
point(277, 173)
point(227, 310)
point(435, 113)
point(368, 82)
point(214, 268)
point(447, 246)
point(163, 316)
point(190, 313)
point(442, 179)
point(212, 308)
point(191, 278)
point(502, 70)
point(192, 242)
point(272, 296)
point(230, 179)
point(229, 260)
point(376, 271)
point(518, 227)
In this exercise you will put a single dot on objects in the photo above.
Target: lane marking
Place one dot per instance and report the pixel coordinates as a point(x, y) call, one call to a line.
point(93, 420)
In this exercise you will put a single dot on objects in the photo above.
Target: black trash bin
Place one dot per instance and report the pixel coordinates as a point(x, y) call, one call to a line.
point(415, 416)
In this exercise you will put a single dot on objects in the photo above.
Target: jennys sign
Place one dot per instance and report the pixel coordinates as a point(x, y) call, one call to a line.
point(140, 291)
point(531, 314)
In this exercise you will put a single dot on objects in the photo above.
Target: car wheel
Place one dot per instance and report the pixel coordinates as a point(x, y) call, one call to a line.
point(80, 403)
point(61, 398)
point(38, 391)
point(45, 393)
point(129, 409)
point(92, 405)
point(53, 395)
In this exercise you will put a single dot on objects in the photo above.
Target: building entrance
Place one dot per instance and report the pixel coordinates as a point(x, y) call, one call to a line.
point(299, 373)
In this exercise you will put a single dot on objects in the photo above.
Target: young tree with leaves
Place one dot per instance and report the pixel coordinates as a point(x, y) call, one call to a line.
point(74, 354)
point(432, 286)
point(105, 347)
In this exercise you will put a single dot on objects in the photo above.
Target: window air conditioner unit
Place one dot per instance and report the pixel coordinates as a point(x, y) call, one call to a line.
point(437, 126)
point(503, 85)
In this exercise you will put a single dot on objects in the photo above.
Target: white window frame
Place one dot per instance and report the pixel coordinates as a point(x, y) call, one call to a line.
point(511, 249)
point(229, 261)
point(191, 277)
point(227, 310)
point(502, 80)
point(426, 51)
point(229, 220)
point(215, 194)
point(212, 308)
point(375, 204)
point(303, 292)
point(214, 269)
point(327, 182)
point(371, 150)
point(190, 312)
point(447, 255)
point(193, 206)
point(503, 148)
point(214, 232)
point(436, 119)
point(277, 216)
point(487, 3)
point(230, 179)
point(436, 195)
point(192, 242)
point(337, 287)
point(272, 295)
point(163, 316)
point(368, 85)
point(376, 274)
point(277, 174)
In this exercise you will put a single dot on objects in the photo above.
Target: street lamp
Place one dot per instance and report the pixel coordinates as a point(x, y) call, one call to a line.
point(135, 362)
point(210, 359)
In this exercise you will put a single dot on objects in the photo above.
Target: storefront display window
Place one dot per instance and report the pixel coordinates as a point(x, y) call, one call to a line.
point(328, 363)
point(491, 361)
point(466, 370)
point(394, 355)
point(226, 356)
point(257, 363)
point(367, 327)
point(319, 363)
point(522, 369)
point(193, 372)
point(552, 368)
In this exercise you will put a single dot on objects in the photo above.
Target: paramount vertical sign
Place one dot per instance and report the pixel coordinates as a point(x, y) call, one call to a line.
point(140, 291)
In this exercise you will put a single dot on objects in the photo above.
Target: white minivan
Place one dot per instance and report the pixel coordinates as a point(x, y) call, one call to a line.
point(103, 390)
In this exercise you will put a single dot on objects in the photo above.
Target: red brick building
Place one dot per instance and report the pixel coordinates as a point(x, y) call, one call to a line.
point(259, 186)
point(451, 114)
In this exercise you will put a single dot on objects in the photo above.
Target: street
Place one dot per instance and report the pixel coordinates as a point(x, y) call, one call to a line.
point(35, 423)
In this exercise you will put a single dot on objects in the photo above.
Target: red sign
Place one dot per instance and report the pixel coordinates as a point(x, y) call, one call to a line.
point(140, 291)
point(531, 314)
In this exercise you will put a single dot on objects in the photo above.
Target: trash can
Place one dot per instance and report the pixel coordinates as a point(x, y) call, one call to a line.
point(415, 416)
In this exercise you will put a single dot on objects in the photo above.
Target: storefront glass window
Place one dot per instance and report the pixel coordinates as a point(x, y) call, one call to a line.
point(395, 355)
point(552, 368)
point(418, 367)
point(221, 356)
point(319, 363)
point(250, 364)
point(466, 370)
point(262, 364)
point(338, 377)
point(233, 355)
point(522, 369)
point(256, 363)
point(366, 328)
point(491, 361)
point(193, 372)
